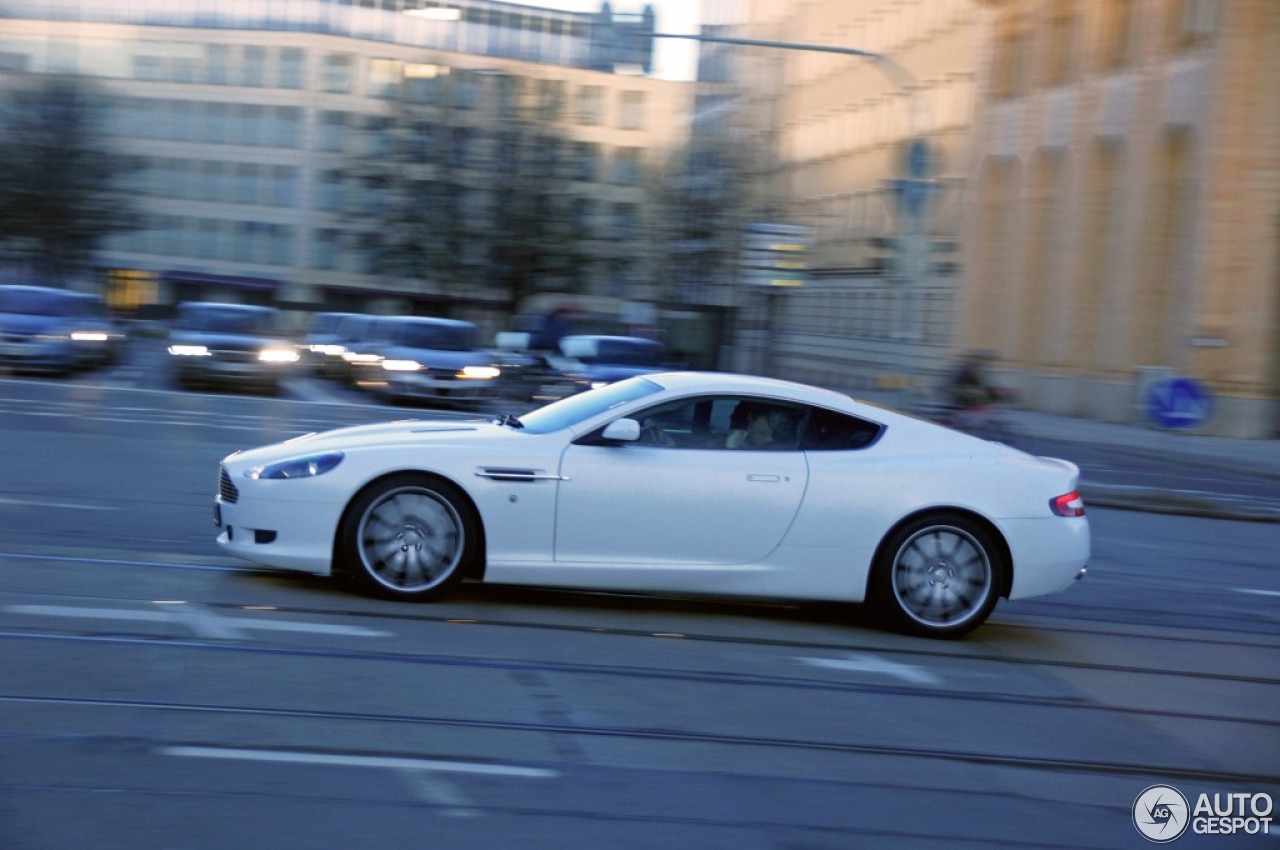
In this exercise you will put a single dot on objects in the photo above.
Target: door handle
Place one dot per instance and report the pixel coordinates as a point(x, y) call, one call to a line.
point(767, 478)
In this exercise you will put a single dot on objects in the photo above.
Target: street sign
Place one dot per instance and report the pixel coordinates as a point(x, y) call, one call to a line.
point(1178, 403)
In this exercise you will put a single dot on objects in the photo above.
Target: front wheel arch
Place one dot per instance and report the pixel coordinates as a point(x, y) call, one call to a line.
point(473, 570)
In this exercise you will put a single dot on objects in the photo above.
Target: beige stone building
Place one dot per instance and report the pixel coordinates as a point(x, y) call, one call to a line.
point(879, 305)
point(246, 117)
point(1124, 209)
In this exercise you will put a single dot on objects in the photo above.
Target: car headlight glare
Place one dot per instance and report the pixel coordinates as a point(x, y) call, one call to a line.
point(278, 355)
point(480, 373)
point(178, 350)
point(401, 365)
point(299, 467)
point(89, 336)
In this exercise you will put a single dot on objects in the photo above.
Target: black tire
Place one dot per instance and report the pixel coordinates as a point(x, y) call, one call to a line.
point(408, 537)
point(939, 575)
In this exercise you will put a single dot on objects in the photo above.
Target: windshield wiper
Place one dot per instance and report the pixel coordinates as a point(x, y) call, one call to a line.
point(510, 421)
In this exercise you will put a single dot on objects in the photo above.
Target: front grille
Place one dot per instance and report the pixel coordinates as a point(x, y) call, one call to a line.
point(226, 487)
point(234, 355)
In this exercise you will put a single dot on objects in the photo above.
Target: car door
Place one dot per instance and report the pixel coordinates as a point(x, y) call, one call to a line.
point(684, 500)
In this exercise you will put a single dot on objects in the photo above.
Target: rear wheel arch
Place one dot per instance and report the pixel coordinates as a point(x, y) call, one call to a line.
point(996, 536)
point(939, 572)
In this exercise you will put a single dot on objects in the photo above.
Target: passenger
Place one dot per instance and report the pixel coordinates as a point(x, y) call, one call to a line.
point(751, 430)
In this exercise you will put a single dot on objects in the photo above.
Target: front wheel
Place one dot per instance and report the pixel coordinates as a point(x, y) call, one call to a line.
point(939, 576)
point(408, 537)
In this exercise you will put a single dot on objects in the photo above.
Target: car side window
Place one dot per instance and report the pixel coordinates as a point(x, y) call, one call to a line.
point(828, 430)
point(722, 422)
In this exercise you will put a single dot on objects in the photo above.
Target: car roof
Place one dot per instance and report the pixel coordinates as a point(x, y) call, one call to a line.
point(433, 320)
point(730, 382)
point(225, 305)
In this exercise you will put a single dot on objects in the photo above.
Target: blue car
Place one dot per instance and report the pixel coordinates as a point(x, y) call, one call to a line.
point(231, 346)
point(602, 360)
point(436, 360)
point(46, 329)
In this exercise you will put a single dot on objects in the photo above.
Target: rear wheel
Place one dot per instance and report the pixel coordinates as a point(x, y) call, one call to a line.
point(408, 537)
point(939, 575)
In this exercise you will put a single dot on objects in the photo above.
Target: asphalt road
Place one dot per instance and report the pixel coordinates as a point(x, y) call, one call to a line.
point(154, 694)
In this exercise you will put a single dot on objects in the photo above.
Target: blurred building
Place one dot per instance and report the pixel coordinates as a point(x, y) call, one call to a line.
point(868, 155)
point(255, 122)
point(1124, 214)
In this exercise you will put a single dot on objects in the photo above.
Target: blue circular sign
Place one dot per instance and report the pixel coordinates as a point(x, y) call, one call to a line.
point(1178, 403)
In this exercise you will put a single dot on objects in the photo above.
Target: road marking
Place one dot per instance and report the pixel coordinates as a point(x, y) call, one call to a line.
point(1256, 592)
point(432, 789)
point(337, 759)
point(865, 663)
point(75, 506)
point(200, 620)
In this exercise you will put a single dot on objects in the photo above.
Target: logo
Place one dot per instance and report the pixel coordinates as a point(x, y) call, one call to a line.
point(1160, 813)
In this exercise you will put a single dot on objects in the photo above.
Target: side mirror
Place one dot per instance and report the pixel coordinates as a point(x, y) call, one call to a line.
point(622, 431)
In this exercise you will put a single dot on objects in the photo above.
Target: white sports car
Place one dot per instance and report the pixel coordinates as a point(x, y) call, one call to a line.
point(698, 483)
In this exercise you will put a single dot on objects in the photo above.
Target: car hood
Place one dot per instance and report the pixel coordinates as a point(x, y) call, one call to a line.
point(381, 435)
point(223, 340)
point(22, 323)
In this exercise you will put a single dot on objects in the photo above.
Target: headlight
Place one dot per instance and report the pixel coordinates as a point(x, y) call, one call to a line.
point(330, 350)
point(354, 357)
point(89, 336)
point(401, 365)
point(189, 350)
point(301, 467)
point(278, 355)
point(483, 373)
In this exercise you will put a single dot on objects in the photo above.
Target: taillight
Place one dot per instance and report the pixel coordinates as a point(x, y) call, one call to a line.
point(1068, 504)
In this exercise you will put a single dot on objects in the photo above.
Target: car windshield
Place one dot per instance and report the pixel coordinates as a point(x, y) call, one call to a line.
point(438, 337)
point(226, 320)
point(37, 302)
point(578, 408)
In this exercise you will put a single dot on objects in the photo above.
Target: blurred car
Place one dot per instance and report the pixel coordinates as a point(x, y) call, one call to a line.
point(47, 329)
point(531, 378)
point(425, 358)
point(644, 486)
point(229, 345)
point(323, 342)
point(605, 359)
point(100, 338)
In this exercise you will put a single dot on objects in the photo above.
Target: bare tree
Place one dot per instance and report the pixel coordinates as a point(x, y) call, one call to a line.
point(60, 196)
point(472, 202)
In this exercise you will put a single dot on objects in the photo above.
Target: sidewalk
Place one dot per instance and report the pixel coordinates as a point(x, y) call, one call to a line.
point(1260, 458)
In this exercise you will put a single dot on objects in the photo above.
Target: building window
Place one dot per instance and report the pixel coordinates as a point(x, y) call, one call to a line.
point(631, 111)
point(626, 221)
point(509, 91)
point(331, 191)
point(1009, 69)
point(466, 89)
point(324, 248)
point(626, 167)
point(550, 99)
point(336, 73)
point(333, 131)
point(582, 217)
point(1114, 46)
point(1061, 37)
point(287, 127)
point(590, 102)
point(292, 67)
point(384, 77)
point(585, 157)
point(422, 83)
point(1194, 22)
point(254, 70)
point(217, 64)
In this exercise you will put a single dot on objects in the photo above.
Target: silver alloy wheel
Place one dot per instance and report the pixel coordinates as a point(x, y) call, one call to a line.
point(410, 539)
point(942, 576)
